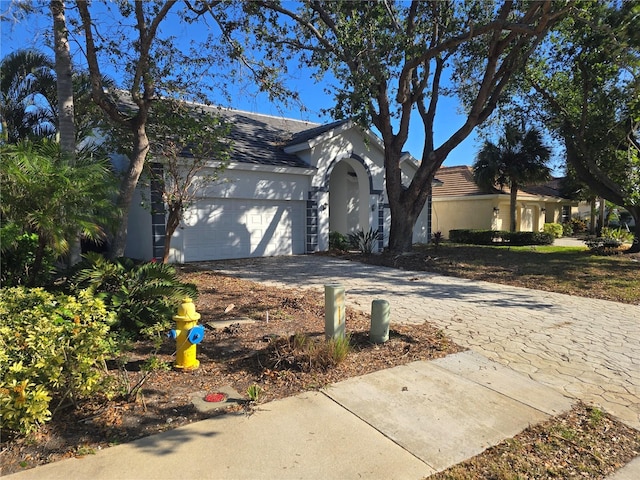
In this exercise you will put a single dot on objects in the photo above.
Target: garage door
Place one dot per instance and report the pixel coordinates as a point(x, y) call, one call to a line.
point(228, 228)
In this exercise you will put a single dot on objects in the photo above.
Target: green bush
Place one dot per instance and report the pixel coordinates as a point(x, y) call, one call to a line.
point(51, 346)
point(497, 237)
point(530, 238)
point(617, 234)
point(141, 294)
point(467, 236)
point(603, 246)
point(477, 237)
point(338, 241)
point(567, 229)
point(554, 229)
point(17, 254)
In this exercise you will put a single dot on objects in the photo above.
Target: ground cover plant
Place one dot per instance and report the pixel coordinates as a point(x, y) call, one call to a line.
point(272, 358)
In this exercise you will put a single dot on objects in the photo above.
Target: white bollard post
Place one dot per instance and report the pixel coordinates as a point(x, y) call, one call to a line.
point(334, 311)
point(379, 332)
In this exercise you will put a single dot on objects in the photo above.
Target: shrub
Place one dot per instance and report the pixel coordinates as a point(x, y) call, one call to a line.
point(477, 237)
point(567, 229)
point(338, 241)
point(554, 229)
point(610, 241)
point(436, 239)
point(617, 234)
point(496, 237)
point(51, 345)
point(301, 353)
point(578, 225)
point(603, 246)
point(141, 294)
point(530, 238)
point(17, 254)
point(474, 237)
point(364, 241)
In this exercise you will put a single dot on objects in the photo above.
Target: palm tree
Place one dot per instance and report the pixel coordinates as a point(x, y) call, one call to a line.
point(64, 80)
point(520, 158)
point(44, 193)
point(27, 96)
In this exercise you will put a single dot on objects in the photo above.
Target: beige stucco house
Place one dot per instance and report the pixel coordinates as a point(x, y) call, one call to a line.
point(458, 203)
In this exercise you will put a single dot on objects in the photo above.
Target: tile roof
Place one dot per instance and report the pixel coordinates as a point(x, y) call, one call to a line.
point(458, 181)
point(549, 189)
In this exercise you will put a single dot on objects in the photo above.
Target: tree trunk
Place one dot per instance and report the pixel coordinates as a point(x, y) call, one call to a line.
point(127, 189)
point(635, 213)
point(66, 112)
point(64, 80)
point(173, 220)
point(401, 231)
point(37, 260)
point(592, 216)
point(512, 207)
point(602, 215)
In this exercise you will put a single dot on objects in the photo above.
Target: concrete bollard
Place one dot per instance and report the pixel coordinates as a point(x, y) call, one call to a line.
point(379, 332)
point(334, 311)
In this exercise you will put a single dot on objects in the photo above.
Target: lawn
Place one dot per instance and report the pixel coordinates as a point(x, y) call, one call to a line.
point(570, 270)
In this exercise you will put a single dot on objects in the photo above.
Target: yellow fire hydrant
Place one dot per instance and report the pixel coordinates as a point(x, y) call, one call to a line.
point(187, 334)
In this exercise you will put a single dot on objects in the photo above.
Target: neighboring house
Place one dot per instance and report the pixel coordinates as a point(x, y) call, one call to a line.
point(289, 183)
point(459, 203)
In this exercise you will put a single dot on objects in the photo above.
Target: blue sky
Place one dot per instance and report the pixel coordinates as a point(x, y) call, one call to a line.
point(32, 33)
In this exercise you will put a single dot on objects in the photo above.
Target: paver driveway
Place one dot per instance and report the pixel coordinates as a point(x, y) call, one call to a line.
point(587, 348)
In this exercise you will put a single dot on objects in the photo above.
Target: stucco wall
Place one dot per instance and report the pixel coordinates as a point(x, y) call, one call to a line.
point(259, 182)
point(451, 214)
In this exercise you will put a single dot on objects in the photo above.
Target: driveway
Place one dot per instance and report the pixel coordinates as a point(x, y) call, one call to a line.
point(588, 349)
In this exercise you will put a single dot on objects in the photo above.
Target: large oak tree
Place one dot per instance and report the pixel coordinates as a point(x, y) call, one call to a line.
point(586, 87)
point(393, 61)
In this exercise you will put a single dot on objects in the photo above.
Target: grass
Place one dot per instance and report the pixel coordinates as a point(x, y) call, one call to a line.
point(569, 270)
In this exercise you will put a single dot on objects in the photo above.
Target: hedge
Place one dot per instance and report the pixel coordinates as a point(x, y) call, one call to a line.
point(493, 237)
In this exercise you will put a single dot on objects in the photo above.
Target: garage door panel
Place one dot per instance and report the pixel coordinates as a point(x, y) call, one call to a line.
point(229, 228)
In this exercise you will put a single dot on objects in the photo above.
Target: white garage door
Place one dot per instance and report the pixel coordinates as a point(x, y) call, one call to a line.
point(229, 228)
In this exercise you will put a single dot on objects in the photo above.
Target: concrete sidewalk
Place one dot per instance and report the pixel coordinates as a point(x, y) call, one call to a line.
point(406, 422)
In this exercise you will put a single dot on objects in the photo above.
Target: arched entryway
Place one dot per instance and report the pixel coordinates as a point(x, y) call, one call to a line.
point(349, 197)
point(344, 202)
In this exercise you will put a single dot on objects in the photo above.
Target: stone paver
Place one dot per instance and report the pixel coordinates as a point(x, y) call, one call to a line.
point(586, 348)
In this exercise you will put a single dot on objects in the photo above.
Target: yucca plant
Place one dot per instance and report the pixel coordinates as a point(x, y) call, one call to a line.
point(141, 294)
point(364, 241)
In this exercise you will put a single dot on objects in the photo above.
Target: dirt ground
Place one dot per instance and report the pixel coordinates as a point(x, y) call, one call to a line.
point(239, 356)
point(243, 355)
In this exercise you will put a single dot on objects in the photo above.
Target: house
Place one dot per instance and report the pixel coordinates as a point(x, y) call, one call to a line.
point(459, 203)
point(289, 184)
